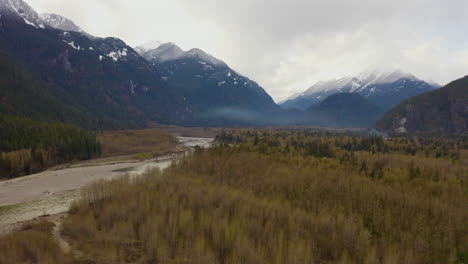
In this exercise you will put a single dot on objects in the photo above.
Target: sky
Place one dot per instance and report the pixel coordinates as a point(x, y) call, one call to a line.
point(288, 45)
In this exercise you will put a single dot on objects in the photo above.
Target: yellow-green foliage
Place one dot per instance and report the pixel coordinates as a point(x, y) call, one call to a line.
point(233, 204)
point(33, 244)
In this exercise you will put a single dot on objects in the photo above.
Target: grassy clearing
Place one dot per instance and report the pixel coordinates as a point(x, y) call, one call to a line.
point(202, 132)
point(139, 144)
point(322, 199)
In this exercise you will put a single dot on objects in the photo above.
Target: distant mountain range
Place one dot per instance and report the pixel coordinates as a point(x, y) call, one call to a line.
point(105, 78)
point(385, 89)
point(54, 70)
point(217, 93)
point(441, 111)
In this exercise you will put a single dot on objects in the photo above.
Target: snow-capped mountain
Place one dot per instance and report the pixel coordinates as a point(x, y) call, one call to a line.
point(60, 22)
point(107, 79)
point(163, 52)
point(215, 91)
point(384, 89)
point(20, 9)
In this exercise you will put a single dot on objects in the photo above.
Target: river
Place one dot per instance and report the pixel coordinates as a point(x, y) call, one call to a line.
point(51, 192)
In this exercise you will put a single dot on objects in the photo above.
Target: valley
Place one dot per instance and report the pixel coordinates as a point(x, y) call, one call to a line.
point(113, 151)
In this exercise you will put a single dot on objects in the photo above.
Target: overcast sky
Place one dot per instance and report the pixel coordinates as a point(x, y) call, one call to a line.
point(288, 45)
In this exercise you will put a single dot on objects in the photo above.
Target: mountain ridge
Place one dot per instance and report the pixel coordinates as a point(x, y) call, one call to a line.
point(106, 78)
point(382, 88)
point(169, 51)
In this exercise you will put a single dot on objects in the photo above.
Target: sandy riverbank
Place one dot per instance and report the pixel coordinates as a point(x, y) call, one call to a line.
point(51, 192)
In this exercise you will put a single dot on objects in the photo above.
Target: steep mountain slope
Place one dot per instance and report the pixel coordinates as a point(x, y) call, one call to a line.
point(441, 111)
point(21, 95)
point(384, 89)
point(218, 94)
point(102, 77)
point(344, 110)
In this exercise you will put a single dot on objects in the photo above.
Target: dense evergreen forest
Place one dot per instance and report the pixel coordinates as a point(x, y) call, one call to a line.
point(22, 95)
point(34, 126)
point(28, 146)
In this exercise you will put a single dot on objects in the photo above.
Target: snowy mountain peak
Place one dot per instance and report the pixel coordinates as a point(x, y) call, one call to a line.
point(60, 22)
point(151, 45)
point(385, 87)
point(23, 10)
point(170, 51)
point(361, 81)
point(164, 52)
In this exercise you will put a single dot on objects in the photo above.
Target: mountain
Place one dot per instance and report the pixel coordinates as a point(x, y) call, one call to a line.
point(60, 22)
point(344, 110)
point(102, 77)
point(109, 80)
point(217, 93)
point(441, 111)
point(384, 89)
point(22, 95)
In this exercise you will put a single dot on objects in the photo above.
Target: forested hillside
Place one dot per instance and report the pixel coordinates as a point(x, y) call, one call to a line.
point(438, 112)
point(344, 110)
point(28, 146)
point(22, 95)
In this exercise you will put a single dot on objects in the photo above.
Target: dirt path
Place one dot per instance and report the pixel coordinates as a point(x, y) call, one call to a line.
point(51, 192)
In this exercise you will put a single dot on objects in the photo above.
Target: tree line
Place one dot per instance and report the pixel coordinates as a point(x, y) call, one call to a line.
point(28, 146)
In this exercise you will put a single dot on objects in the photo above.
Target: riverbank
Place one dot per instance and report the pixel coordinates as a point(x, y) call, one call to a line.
point(51, 192)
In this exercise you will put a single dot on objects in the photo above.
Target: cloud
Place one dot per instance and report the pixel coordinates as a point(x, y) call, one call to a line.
point(286, 46)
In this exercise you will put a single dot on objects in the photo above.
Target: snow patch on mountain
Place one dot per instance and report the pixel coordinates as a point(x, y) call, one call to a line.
point(72, 44)
point(119, 54)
